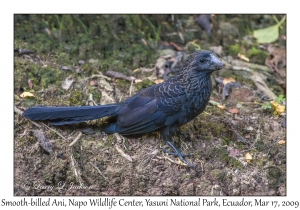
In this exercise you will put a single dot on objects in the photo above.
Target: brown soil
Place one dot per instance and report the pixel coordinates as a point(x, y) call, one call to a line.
point(93, 166)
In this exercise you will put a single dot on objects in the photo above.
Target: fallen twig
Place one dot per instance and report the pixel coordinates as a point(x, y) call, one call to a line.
point(55, 131)
point(99, 171)
point(123, 153)
point(98, 75)
point(258, 67)
point(118, 75)
point(73, 165)
point(130, 89)
point(173, 161)
point(76, 139)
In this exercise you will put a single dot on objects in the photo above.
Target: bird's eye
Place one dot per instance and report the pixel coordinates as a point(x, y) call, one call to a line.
point(201, 60)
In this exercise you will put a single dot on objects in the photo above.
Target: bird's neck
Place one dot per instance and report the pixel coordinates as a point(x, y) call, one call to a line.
point(195, 82)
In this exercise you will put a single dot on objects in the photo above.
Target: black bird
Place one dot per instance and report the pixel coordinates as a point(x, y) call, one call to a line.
point(162, 107)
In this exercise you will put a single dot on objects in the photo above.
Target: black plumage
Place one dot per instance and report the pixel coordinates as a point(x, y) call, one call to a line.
point(162, 107)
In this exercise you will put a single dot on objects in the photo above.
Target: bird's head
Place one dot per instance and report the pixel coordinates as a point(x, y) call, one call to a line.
point(204, 61)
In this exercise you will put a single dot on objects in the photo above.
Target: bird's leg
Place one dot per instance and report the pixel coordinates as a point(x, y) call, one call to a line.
point(177, 153)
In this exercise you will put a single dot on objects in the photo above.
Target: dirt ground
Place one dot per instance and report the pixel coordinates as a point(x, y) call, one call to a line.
point(98, 164)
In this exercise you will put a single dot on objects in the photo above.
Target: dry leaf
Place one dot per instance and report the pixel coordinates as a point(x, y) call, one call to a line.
point(248, 157)
point(26, 95)
point(281, 142)
point(138, 81)
point(243, 57)
point(221, 106)
point(228, 80)
point(104, 84)
point(176, 46)
point(233, 111)
point(217, 104)
point(43, 141)
point(277, 109)
point(157, 81)
point(67, 83)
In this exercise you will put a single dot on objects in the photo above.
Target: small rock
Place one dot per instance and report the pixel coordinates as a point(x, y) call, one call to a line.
point(66, 68)
point(168, 183)
point(283, 123)
point(155, 170)
point(217, 49)
point(157, 182)
point(78, 71)
point(25, 51)
point(235, 192)
point(250, 128)
point(266, 126)
point(93, 61)
point(81, 62)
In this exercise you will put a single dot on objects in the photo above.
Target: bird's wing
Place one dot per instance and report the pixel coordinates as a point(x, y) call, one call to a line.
point(153, 108)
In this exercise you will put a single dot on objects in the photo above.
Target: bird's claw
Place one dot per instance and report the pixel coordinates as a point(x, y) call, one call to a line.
point(177, 154)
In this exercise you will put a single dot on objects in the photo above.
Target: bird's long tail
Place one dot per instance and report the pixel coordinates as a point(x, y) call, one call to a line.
point(70, 115)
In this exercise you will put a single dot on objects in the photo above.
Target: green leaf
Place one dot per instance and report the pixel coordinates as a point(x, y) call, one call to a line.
point(267, 35)
point(280, 98)
point(267, 105)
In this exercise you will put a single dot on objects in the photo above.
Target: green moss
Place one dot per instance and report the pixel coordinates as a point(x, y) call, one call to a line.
point(226, 141)
point(116, 39)
point(96, 94)
point(234, 49)
point(274, 175)
point(222, 155)
point(29, 102)
point(256, 55)
point(144, 84)
point(259, 145)
point(235, 163)
point(75, 98)
point(123, 84)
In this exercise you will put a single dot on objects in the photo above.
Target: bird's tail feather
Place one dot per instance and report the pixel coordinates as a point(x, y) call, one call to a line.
point(70, 115)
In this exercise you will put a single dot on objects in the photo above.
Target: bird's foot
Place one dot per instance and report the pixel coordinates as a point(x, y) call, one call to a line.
point(177, 153)
point(173, 153)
